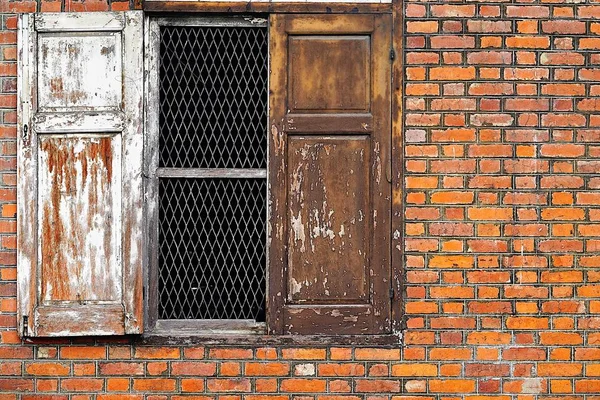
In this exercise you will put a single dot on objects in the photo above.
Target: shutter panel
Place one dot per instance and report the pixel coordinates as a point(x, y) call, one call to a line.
point(79, 174)
point(330, 191)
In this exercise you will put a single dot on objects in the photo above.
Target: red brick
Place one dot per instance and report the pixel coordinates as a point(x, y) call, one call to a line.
point(47, 369)
point(303, 385)
point(451, 386)
point(304, 354)
point(376, 354)
point(267, 369)
point(157, 353)
point(82, 385)
point(154, 385)
point(193, 368)
point(377, 386)
point(121, 368)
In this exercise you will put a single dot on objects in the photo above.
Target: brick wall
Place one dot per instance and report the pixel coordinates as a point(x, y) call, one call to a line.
point(502, 233)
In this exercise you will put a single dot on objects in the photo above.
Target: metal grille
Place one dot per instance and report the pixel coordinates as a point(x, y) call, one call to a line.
point(212, 248)
point(213, 97)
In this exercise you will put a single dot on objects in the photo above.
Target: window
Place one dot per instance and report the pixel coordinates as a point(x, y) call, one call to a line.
point(209, 176)
point(252, 193)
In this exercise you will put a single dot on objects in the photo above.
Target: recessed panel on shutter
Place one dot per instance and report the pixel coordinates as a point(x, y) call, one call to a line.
point(80, 145)
point(330, 144)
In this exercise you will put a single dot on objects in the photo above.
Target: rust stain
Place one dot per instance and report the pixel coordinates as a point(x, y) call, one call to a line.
point(75, 96)
point(56, 87)
point(107, 50)
point(64, 230)
point(73, 50)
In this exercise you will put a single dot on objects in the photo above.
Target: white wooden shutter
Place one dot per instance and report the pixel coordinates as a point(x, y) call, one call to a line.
point(80, 145)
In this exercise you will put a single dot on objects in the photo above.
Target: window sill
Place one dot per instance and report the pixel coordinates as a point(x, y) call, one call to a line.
point(250, 333)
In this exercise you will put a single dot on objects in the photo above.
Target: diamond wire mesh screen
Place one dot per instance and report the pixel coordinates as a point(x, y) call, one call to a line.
point(212, 248)
point(213, 97)
point(213, 114)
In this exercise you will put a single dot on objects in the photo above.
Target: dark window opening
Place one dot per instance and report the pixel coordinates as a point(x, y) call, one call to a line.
point(213, 97)
point(213, 122)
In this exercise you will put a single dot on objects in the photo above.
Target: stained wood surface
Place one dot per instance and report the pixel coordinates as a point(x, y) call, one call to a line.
point(328, 183)
point(79, 199)
point(64, 66)
point(396, 169)
point(80, 174)
point(329, 74)
point(330, 148)
point(282, 7)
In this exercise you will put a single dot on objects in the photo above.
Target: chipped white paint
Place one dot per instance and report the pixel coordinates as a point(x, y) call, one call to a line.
point(278, 140)
point(65, 64)
point(78, 196)
point(26, 179)
point(79, 122)
point(80, 22)
point(295, 287)
point(377, 163)
point(298, 229)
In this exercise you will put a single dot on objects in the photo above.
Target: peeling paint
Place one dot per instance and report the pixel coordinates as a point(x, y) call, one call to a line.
point(298, 229)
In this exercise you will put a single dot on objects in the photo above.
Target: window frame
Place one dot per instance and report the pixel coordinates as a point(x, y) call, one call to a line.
point(229, 331)
point(152, 174)
point(396, 173)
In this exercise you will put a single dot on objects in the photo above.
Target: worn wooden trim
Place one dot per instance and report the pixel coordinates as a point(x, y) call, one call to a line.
point(233, 21)
point(397, 242)
point(277, 204)
point(79, 320)
point(334, 123)
point(166, 338)
point(71, 122)
point(211, 173)
point(329, 24)
point(151, 162)
point(324, 7)
point(27, 240)
point(133, 185)
point(208, 327)
point(79, 22)
point(382, 188)
point(330, 320)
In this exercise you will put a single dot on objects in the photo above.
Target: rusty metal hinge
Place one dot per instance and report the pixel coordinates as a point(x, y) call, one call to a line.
point(25, 323)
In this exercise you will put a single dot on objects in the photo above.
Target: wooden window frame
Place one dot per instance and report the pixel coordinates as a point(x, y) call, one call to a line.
point(153, 173)
point(230, 332)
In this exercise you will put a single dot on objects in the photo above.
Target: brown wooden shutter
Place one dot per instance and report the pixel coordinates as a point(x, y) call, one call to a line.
point(80, 202)
point(329, 174)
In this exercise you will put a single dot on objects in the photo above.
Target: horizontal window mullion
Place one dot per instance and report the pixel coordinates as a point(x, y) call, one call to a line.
point(255, 173)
